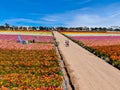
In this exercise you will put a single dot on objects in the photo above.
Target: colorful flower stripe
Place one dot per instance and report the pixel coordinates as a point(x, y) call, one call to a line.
point(113, 51)
point(31, 66)
point(98, 40)
point(33, 46)
point(26, 37)
point(30, 70)
point(44, 33)
point(91, 33)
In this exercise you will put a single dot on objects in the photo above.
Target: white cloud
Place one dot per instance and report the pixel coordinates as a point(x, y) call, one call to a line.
point(85, 20)
point(51, 18)
point(76, 1)
point(115, 14)
point(86, 16)
point(94, 21)
point(21, 21)
point(84, 1)
point(92, 17)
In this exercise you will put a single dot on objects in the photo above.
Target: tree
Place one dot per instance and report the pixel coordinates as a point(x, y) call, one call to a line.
point(34, 28)
point(7, 26)
point(104, 29)
point(2, 27)
point(41, 28)
point(29, 28)
point(16, 28)
point(21, 28)
point(11, 28)
point(24, 28)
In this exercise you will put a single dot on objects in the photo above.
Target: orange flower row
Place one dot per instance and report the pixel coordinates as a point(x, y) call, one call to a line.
point(113, 51)
point(30, 70)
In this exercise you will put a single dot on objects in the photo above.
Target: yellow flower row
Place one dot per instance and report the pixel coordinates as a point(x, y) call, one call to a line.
point(90, 33)
point(26, 32)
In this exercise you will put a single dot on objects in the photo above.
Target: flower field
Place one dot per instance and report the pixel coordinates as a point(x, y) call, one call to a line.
point(32, 66)
point(112, 50)
point(98, 40)
point(32, 46)
point(37, 38)
point(74, 33)
point(107, 45)
point(41, 33)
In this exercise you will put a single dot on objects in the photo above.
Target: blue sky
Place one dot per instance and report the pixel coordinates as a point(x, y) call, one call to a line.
point(70, 13)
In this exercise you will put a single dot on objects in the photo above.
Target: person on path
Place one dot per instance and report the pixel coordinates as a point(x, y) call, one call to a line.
point(33, 41)
point(66, 43)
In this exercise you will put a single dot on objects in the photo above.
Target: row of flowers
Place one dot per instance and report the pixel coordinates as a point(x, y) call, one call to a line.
point(33, 46)
point(26, 32)
point(30, 70)
point(98, 40)
point(37, 38)
point(113, 51)
point(33, 66)
point(78, 33)
point(105, 47)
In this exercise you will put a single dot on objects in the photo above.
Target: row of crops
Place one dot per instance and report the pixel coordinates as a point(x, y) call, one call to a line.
point(26, 37)
point(33, 66)
point(104, 45)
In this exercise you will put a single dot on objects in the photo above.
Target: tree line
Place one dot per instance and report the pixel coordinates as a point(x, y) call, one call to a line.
point(8, 27)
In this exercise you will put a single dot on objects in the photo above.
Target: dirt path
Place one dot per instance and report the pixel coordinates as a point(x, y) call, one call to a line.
point(87, 71)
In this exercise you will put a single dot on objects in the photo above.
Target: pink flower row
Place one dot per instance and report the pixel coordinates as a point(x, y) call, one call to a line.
point(33, 46)
point(26, 37)
point(98, 40)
